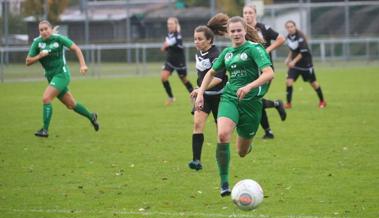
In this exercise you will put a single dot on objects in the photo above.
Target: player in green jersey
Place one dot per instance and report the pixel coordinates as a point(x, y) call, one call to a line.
point(249, 68)
point(48, 49)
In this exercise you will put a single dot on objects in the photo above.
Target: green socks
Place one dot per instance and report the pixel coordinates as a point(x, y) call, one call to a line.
point(80, 109)
point(47, 114)
point(223, 160)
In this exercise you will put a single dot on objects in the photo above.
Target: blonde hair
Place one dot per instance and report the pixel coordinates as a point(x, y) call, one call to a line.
point(54, 28)
point(252, 6)
point(176, 22)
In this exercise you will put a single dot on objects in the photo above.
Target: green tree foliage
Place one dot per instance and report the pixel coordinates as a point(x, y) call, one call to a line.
point(36, 8)
point(231, 7)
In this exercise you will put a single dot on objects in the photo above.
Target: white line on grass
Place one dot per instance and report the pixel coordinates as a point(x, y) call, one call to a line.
point(164, 214)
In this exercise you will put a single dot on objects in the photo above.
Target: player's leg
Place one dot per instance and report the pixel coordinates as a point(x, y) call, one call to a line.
point(48, 96)
point(225, 127)
point(69, 101)
point(200, 118)
point(165, 74)
point(183, 77)
point(266, 125)
point(228, 116)
point(291, 78)
point(316, 86)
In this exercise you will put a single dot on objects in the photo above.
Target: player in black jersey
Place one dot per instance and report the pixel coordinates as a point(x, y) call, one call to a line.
point(267, 34)
point(205, 56)
point(175, 60)
point(299, 62)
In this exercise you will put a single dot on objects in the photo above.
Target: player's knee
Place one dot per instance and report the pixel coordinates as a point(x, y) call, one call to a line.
point(46, 99)
point(70, 105)
point(223, 137)
point(198, 127)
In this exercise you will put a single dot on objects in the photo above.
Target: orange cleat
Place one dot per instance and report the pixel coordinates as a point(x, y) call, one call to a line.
point(288, 106)
point(322, 104)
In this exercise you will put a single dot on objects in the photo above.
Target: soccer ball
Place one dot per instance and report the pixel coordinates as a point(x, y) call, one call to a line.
point(247, 194)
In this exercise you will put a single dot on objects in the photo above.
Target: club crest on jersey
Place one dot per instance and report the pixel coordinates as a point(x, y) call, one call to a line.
point(41, 45)
point(54, 45)
point(228, 56)
point(243, 56)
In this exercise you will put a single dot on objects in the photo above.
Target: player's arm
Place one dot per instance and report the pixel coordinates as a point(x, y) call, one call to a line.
point(288, 58)
point(277, 43)
point(31, 60)
point(292, 63)
point(79, 55)
point(266, 76)
point(204, 86)
point(34, 55)
point(214, 82)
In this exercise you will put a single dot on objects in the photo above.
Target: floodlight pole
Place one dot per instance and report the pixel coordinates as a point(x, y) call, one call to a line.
point(213, 7)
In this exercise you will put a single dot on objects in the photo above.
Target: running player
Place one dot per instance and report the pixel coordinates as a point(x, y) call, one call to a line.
point(249, 67)
point(205, 56)
point(175, 58)
point(267, 34)
point(299, 62)
point(48, 49)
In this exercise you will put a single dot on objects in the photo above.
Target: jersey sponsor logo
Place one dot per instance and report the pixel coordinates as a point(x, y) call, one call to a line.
point(243, 56)
point(228, 56)
point(54, 45)
point(41, 45)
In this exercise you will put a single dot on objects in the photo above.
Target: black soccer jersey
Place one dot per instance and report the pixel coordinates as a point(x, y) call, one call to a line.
point(175, 49)
point(204, 62)
point(297, 44)
point(267, 34)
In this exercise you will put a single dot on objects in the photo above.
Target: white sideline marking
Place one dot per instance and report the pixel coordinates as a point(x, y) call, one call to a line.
point(165, 214)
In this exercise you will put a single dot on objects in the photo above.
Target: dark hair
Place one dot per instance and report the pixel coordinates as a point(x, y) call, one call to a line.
point(302, 35)
point(208, 33)
point(220, 22)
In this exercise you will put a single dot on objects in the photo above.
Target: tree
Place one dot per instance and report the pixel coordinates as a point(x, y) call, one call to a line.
point(36, 8)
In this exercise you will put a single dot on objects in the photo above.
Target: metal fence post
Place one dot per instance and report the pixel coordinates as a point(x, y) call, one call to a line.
point(2, 65)
point(137, 59)
point(144, 58)
point(322, 51)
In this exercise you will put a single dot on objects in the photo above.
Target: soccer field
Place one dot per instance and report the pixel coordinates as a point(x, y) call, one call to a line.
point(322, 163)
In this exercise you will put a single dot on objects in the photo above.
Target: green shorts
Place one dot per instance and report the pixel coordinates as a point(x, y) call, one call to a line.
point(60, 81)
point(246, 114)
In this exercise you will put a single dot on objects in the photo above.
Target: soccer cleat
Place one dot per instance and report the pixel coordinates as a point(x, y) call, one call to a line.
point(322, 104)
point(268, 135)
point(195, 165)
point(169, 101)
point(94, 122)
point(288, 106)
point(281, 110)
point(225, 191)
point(42, 133)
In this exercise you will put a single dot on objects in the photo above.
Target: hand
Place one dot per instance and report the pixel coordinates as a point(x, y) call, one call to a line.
point(83, 69)
point(241, 92)
point(199, 103)
point(164, 46)
point(43, 53)
point(194, 93)
point(291, 64)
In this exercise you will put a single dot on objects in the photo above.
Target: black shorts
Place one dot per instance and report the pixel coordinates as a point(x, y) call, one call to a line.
point(211, 103)
point(308, 75)
point(179, 67)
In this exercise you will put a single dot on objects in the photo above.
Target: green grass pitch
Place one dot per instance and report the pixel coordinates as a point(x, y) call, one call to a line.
point(322, 163)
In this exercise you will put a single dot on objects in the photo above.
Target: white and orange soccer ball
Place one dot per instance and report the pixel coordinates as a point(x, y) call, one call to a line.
point(247, 194)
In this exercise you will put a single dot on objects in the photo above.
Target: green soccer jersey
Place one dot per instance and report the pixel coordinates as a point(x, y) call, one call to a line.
point(55, 62)
point(244, 64)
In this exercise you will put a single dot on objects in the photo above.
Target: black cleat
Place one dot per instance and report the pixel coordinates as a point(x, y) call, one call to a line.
point(42, 133)
point(225, 191)
point(94, 122)
point(268, 135)
point(281, 110)
point(195, 165)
